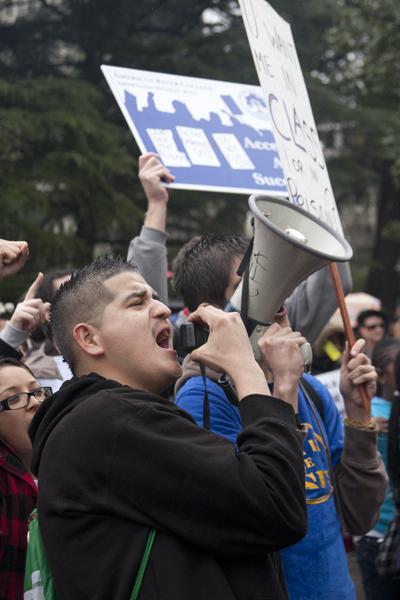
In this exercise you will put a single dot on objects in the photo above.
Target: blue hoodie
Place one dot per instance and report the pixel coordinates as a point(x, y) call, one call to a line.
point(316, 567)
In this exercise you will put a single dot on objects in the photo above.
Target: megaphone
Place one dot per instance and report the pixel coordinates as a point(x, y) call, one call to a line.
point(289, 245)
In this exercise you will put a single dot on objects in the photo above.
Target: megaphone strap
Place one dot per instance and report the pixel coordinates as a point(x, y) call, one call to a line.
point(246, 258)
point(206, 402)
point(244, 269)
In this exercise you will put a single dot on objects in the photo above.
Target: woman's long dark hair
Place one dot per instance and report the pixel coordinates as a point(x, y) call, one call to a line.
point(394, 435)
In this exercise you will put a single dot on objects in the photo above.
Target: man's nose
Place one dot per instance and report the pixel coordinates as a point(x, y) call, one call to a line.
point(160, 310)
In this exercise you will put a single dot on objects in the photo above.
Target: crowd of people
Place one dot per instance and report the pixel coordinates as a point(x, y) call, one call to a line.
point(201, 475)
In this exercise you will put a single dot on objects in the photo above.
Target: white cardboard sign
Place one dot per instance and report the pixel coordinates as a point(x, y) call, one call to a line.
point(292, 120)
point(331, 379)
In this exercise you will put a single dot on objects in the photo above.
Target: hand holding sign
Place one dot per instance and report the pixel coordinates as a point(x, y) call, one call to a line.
point(152, 174)
point(357, 371)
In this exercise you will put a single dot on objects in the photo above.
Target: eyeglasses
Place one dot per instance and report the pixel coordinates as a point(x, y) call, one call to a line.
point(374, 326)
point(21, 400)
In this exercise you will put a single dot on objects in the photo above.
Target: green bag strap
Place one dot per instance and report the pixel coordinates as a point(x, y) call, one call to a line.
point(36, 561)
point(139, 577)
point(143, 565)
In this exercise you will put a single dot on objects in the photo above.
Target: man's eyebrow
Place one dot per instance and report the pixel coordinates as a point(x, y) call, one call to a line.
point(138, 294)
point(154, 295)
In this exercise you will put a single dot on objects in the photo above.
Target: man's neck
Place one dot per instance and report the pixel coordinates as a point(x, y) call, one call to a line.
point(110, 372)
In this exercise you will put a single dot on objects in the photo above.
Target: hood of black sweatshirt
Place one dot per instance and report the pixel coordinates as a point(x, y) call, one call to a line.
point(60, 404)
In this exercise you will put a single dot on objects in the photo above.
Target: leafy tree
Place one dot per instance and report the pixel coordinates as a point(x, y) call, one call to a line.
point(68, 160)
point(66, 174)
point(364, 68)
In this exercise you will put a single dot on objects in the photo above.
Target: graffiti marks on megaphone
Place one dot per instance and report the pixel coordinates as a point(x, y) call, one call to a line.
point(258, 265)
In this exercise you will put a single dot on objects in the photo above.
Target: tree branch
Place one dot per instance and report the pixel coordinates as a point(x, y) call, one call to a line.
point(54, 9)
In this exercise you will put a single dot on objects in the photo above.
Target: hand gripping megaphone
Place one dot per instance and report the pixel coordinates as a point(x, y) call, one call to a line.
point(289, 244)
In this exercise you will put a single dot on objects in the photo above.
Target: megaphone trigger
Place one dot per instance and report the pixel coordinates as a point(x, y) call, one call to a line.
point(305, 349)
point(307, 354)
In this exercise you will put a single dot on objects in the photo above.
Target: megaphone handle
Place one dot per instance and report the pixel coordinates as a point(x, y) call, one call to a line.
point(348, 330)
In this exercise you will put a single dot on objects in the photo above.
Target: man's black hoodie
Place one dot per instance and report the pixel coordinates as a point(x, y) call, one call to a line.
point(113, 462)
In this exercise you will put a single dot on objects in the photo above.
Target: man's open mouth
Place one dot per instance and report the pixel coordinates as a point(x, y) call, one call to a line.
point(162, 339)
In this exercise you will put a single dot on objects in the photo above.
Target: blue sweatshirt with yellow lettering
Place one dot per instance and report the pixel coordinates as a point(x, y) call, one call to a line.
point(316, 567)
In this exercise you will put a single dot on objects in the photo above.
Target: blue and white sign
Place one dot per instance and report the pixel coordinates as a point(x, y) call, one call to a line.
point(212, 135)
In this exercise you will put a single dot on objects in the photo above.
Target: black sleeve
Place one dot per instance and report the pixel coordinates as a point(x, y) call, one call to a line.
point(7, 351)
point(195, 484)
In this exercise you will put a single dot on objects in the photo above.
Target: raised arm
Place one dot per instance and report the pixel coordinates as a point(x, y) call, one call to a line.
point(28, 315)
point(360, 472)
point(148, 250)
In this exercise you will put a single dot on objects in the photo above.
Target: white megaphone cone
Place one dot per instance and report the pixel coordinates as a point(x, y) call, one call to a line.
point(289, 245)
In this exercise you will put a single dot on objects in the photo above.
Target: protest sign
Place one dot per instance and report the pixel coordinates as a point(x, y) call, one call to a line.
point(331, 380)
point(213, 135)
point(292, 120)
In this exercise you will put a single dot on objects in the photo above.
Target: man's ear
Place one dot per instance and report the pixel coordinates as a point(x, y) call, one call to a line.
point(88, 339)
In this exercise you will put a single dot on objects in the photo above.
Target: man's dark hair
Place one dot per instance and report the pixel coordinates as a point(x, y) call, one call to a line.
point(366, 314)
point(46, 290)
point(46, 293)
point(83, 299)
point(202, 267)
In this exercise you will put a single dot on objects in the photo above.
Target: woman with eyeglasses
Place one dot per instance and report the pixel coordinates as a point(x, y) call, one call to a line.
point(20, 397)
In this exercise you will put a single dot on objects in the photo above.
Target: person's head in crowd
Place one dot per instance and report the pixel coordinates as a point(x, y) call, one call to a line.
point(371, 326)
point(205, 268)
point(106, 319)
point(20, 397)
point(383, 359)
point(328, 348)
point(48, 288)
point(51, 284)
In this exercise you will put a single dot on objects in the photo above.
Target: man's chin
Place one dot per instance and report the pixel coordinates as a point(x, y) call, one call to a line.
point(177, 372)
point(173, 373)
point(166, 386)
